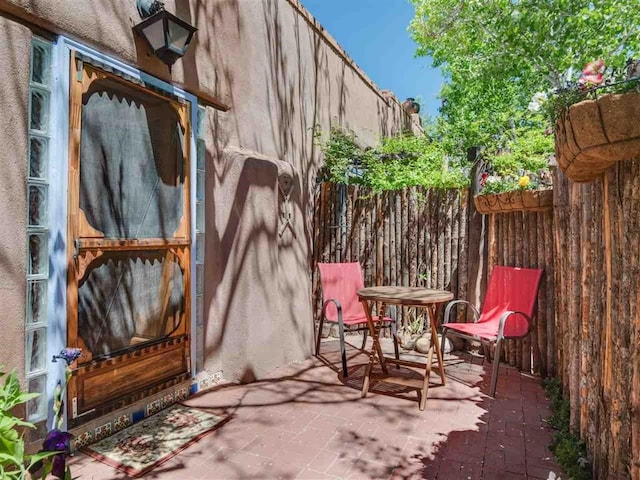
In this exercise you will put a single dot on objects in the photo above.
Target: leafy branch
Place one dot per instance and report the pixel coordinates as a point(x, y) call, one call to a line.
point(395, 163)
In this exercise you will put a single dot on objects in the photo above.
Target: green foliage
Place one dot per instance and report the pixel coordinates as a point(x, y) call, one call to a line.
point(14, 463)
point(527, 151)
point(499, 185)
point(496, 54)
point(569, 450)
point(415, 325)
point(398, 162)
point(521, 163)
point(571, 94)
point(344, 157)
point(561, 100)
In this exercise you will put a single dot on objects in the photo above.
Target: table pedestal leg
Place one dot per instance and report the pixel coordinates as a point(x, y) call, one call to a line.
point(427, 374)
point(376, 349)
point(433, 345)
point(433, 316)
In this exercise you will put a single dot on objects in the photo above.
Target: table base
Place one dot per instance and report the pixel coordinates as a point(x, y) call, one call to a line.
point(422, 385)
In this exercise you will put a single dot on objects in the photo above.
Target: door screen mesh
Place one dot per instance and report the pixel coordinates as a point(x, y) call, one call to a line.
point(131, 162)
point(127, 298)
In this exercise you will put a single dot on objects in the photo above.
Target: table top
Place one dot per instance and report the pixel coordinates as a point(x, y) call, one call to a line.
point(413, 296)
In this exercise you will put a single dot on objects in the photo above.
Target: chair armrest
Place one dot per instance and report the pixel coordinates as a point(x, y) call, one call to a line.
point(503, 321)
point(450, 305)
point(338, 307)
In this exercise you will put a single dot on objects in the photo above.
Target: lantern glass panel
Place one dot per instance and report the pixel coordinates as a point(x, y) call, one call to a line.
point(154, 32)
point(178, 36)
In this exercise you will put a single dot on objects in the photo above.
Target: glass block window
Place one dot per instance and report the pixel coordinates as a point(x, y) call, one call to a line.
point(38, 227)
point(200, 230)
point(37, 407)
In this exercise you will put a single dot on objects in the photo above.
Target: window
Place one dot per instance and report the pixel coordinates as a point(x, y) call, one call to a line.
point(200, 189)
point(38, 227)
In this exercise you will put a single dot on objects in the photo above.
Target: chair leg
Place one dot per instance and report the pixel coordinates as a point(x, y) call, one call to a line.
point(319, 335)
point(394, 332)
point(343, 350)
point(496, 365)
point(364, 338)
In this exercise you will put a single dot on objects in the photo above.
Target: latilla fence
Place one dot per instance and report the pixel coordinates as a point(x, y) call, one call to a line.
point(587, 326)
point(434, 238)
point(597, 241)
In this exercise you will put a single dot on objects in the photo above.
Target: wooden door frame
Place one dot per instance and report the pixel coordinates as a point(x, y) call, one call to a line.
point(85, 244)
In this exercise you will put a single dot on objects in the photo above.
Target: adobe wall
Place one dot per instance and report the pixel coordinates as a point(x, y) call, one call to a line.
point(15, 46)
point(271, 74)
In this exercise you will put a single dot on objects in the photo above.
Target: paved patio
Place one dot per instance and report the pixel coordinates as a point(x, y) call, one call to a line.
point(304, 422)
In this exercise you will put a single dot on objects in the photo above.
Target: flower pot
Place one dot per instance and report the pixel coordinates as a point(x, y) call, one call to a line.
point(518, 200)
point(411, 106)
point(594, 134)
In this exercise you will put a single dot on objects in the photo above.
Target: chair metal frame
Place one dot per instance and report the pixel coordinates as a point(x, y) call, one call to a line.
point(392, 324)
point(497, 341)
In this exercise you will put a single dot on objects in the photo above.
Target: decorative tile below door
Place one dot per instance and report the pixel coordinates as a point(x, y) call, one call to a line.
point(153, 407)
point(121, 422)
point(103, 431)
point(85, 438)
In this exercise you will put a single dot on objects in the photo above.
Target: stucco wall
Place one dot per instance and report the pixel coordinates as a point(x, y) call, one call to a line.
point(269, 62)
point(15, 44)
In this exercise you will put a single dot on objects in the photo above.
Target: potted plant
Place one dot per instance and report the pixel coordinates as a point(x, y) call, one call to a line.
point(410, 334)
point(517, 177)
point(597, 121)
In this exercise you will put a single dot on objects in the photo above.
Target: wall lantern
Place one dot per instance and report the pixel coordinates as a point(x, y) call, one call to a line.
point(167, 35)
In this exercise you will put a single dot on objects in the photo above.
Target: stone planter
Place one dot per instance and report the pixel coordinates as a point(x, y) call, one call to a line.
point(518, 200)
point(594, 134)
point(408, 341)
point(423, 343)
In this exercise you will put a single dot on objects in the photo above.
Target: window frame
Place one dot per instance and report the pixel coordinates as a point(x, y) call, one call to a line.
point(38, 328)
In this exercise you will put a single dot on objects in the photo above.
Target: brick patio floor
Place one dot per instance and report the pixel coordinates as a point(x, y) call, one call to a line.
point(304, 422)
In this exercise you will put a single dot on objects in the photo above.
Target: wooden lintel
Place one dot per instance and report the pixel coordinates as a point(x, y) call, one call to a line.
point(204, 97)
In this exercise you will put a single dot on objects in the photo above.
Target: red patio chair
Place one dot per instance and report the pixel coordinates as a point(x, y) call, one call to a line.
point(340, 304)
point(506, 312)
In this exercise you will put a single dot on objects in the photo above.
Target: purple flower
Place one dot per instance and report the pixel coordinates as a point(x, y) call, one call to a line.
point(69, 355)
point(57, 441)
point(59, 466)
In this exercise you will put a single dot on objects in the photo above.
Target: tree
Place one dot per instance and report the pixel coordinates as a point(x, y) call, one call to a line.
point(496, 54)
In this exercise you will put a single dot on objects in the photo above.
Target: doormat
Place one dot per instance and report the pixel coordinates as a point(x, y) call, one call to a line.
point(149, 443)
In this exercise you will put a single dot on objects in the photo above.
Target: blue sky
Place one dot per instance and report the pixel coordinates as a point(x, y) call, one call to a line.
point(374, 33)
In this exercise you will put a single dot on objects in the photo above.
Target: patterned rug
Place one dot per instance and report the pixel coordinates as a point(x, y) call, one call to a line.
point(143, 446)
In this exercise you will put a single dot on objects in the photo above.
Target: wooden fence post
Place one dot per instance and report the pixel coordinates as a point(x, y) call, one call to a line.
point(477, 236)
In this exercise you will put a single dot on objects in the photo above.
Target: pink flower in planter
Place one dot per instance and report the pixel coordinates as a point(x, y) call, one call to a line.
point(592, 74)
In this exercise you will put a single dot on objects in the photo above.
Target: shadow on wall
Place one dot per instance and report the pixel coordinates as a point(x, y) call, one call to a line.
point(248, 228)
point(244, 297)
point(301, 92)
point(14, 101)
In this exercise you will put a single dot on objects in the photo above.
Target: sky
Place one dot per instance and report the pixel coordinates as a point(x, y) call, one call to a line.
point(374, 34)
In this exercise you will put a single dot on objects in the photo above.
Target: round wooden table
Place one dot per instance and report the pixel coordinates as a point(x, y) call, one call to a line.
point(419, 297)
